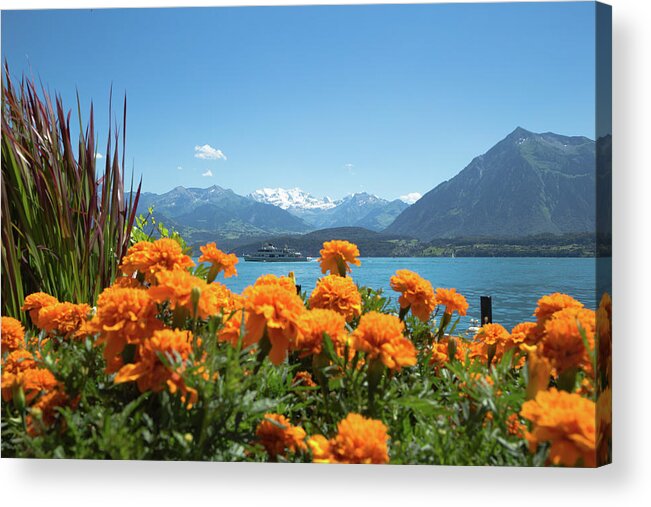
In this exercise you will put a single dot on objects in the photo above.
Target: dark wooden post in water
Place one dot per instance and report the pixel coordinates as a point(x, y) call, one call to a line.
point(486, 310)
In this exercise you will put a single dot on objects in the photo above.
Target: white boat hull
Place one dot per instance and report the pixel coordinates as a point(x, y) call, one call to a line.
point(297, 259)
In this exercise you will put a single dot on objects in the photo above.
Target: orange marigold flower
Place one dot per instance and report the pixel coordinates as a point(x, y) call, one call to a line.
point(552, 303)
point(151, 373)
point(514, 426)
point(285, 282)
point(176, 287)
point(336, 256)
point(36, 380)
point(232, 329)
point(313, 324)
point(12, 334)
point(217, 298)
point(416, 293)
point(491, 338)
point(539, 371)
point(381, 336)
point(359, 440)
point(273, 310)
point(150, 258)
point(221, 261)
point(567, 421)
point(452, 300)
point(236, 303)
point(18, 361)
point(124, 316)
point(45, 407)
point(333, 292)
point(304, 378)
point(34, 302)
point(232, 321)
point(493, 334)
point(63, 318)
point(525, 332)
point(562, 342)
point(127, 282)
point(86, 329)
point(440, 352)
point(278, 436)
point(9, 380)
point(33, 381)
point(321, 451)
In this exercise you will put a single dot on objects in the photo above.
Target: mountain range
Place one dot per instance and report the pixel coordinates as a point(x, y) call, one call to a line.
point(219, 211)
point(216, 213)
point(355, 210)
point(527, 184)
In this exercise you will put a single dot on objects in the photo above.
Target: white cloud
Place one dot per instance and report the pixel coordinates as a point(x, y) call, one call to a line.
point(207, 152)
point(411, 197)
point(207, 173)
point(98, 155)
point(179, 168)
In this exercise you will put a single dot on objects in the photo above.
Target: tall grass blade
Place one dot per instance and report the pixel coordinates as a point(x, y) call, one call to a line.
point(64, 230)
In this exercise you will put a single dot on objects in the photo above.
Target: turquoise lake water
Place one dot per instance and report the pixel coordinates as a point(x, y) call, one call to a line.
point(515, 284)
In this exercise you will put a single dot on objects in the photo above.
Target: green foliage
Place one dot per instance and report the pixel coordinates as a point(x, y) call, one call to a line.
point(452, 415)
point(108, 421)
point(458, 417)
point(147, 228)
point(65, 222)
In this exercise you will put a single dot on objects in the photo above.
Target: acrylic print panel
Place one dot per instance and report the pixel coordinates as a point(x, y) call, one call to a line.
point(331, 234)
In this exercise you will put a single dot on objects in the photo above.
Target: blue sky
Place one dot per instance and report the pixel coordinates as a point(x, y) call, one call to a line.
point(334, 99)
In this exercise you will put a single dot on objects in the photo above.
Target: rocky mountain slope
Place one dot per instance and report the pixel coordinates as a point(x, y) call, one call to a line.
point(526, 184)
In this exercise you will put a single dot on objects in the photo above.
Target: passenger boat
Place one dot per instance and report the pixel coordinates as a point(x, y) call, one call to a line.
point(269, 253)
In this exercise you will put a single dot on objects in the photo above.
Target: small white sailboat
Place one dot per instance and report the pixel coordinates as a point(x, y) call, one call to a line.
point(474, 327)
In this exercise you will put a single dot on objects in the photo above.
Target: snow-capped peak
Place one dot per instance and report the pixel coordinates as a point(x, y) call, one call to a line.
point(361, 198)
point(292, 198)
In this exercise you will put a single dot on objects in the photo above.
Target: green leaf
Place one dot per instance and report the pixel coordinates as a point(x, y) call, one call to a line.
point(329, 349)
point(424, 406)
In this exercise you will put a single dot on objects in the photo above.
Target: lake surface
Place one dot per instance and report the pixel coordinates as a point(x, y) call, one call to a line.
point(515, 284)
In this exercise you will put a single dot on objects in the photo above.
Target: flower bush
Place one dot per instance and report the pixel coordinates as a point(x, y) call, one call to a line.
point(171, 364)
